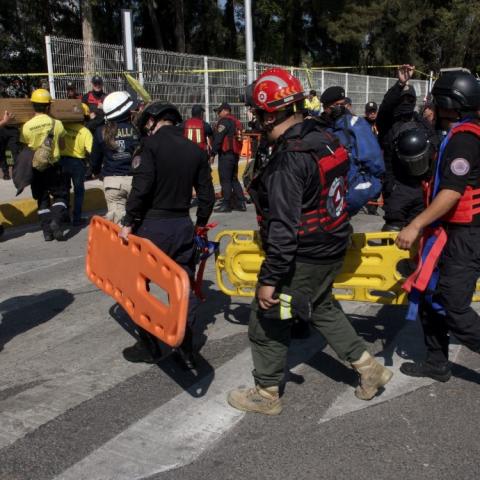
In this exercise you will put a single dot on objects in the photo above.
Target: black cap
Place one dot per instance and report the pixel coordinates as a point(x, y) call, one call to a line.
point(313, 92)
point(97, 79)
point(223, 106)
point(332, 94)
point(371, 107)
point(197, 110)
point(408, 90)
point(70, 86)
point(348, 101)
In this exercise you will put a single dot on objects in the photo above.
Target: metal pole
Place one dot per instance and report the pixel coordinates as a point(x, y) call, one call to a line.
point(207, 92)
point(128, 46)
point(367, 90)
point(430, 82)
point(140, 67)
point(346, 84)
point(51, 79)
point(249, 41)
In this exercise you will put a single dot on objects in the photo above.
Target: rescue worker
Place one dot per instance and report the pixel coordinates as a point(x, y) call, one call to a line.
point(371, 111)
point(113, 147)
point(366, 160)
point(402, 189)
point(75, 153)
point(227, 143)
point(312, 104)
point(9, 140)
point(39, 132)
point(158, 208)
point(96, 96)
point(197, 130)
point(349, 105)
point(7, 116)
point(299, 195)
point(72, 93)
point(453, 214)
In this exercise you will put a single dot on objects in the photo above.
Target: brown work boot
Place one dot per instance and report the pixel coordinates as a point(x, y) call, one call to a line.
point(256, 399)
point(373, 375)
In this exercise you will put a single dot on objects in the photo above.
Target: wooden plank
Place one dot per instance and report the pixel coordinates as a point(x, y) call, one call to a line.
point(64, 110)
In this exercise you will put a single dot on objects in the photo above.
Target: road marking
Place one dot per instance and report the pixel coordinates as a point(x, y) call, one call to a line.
point(409, 339)
point(176, 433)
point(22, 268)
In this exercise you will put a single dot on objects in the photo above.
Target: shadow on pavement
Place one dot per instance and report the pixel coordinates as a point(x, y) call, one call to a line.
point(195, 382)
point(22, 313)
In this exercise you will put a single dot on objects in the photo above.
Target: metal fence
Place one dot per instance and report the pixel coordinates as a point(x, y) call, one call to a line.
point(186, 80)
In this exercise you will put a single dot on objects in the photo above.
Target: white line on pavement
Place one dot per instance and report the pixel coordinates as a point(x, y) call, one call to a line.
point(176, 433)
point(409, 339)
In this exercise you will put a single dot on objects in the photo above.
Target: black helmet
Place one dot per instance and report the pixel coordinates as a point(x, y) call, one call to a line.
point(158, 111)
point(457, 91)
point(249, 95)
point(414, 149)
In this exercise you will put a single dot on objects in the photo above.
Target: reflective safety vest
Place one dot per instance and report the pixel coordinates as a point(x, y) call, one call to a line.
point(331, 211)
point(93, 100)
point(434, 238)
point(233, 142)
point(194, 130)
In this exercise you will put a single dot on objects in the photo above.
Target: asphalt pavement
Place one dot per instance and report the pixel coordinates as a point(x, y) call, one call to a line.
point(72, 408)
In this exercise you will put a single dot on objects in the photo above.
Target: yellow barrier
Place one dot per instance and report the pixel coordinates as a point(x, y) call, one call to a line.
point(374, 268)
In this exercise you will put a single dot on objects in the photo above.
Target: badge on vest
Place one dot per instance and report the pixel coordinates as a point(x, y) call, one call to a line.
point(336, 197)
point(460, 166)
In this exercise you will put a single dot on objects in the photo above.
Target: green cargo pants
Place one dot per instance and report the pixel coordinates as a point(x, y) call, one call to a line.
point(270, 337)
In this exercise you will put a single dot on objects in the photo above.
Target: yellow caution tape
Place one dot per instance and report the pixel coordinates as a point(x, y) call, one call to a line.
point(373, 271)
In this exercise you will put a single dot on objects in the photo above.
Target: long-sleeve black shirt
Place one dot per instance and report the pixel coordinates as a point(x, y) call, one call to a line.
point(288, 186)
point(162, 183)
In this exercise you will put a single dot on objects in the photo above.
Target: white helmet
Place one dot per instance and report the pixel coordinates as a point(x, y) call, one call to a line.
point(116, 104)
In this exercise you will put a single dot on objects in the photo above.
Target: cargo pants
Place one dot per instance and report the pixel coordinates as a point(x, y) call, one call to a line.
point(270, 337)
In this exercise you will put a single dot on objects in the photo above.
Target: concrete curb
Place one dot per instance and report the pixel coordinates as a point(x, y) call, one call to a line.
point(14, 213)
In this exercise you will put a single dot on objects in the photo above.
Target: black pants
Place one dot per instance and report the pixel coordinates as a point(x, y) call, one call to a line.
point(402, 204)
point(174, 236)
point(228, 172)
point(49, 190)
point(9, 140)
point(459, 270)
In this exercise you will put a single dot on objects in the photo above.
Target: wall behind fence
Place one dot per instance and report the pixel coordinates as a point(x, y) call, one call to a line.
point(186, 80)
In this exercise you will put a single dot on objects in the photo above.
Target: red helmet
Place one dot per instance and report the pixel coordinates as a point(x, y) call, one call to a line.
point(275, 89)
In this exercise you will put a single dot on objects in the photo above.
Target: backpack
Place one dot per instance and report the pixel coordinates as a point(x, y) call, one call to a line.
point(43, 156)
point(366, 161)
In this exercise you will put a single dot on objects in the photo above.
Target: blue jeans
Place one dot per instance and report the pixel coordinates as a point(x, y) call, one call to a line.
point(74, 172)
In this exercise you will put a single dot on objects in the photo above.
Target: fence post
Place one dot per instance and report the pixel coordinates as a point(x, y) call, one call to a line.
point(323, 82)
point(387, 79)
point(346, 84)
point(255, 69)
point(367, 90)
point(140, 66)
point(207, 93)
point(51, 79)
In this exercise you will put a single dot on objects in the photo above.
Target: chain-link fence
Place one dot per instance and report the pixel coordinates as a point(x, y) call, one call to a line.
point(186, 80)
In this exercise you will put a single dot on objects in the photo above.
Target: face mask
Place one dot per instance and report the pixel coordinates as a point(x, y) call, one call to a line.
point(404, 110)
point(337, 111)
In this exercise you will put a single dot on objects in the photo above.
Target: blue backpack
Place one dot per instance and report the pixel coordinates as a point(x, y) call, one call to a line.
point(366, 160)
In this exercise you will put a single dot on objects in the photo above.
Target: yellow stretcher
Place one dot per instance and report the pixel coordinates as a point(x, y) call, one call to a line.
point(374, 268)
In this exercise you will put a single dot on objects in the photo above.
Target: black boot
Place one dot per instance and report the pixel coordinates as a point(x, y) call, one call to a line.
point(184, 354)
point(140, 353)
point(223, 209)
point(241, 207)
point(57, 231)
point(441, 373)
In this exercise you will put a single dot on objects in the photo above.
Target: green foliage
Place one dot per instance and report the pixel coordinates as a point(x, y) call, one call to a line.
point(428, 33)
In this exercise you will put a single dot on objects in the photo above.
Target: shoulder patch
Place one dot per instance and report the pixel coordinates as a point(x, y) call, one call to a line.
point(137, 160)
point(220, 128)
point(460, 166)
